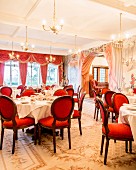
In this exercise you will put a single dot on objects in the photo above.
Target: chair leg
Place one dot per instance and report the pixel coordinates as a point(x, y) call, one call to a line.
point(97, 114)
point(39, 134)
point(106, 151)
point(69, 138)
point(79, 122)
point(112, 117)
point(16, 134)
point(62, 133)
point(102, 143)
point(14, 139)
point(130, 146)
point(2, 135)
point(35, 134)
point(94, 112)
point(126, 146)
point(54, 140)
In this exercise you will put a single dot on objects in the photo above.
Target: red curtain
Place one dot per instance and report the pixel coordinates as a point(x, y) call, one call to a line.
point(1, 73)
point(33, 57)
point(23, 72)
point(44, 69)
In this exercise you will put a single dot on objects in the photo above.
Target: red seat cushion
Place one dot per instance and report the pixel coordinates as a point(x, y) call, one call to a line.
point(119, 131)
point(49, 120)
point(105, 104)
point(110, 109)
point(27, 121)
point(76, 113)
point(75, 99)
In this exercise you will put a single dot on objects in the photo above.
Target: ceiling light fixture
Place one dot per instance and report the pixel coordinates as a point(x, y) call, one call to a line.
point(119, 41)
point(12, 54)
point(75, 51)
point(50, 59)
point(55, 28)
point(25, 46)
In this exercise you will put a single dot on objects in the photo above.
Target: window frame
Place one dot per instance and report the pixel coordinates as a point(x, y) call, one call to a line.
point(98, 76)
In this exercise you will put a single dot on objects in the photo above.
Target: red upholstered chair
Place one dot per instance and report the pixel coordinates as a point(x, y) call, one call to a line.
point(96, 87)
point(104, 90)
point(22, 87)
point(61, 110)
point(108, 102)
point(28, 92)
point(76, 93)
point(53, 85)
point(47, 87)
point(70, 91)
point(10, 120)
point(68, 86)
point(134, 90)
point(76, 100)
point(60, 92)
point(113, 131)
point(118, 99)
point(78, 113)
point(5, 90)
point(96, 110)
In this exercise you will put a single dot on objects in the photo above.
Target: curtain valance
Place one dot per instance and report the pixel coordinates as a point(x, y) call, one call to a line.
point(25, 57)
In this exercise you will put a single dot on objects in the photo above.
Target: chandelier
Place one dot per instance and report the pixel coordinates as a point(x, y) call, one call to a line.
point(12, 55)
point(75, 51)
point(118, 42)
point(50, 59)
point(25, 46)
point(56, 27)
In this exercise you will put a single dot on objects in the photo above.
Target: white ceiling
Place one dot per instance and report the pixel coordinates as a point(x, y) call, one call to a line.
point(93, 21)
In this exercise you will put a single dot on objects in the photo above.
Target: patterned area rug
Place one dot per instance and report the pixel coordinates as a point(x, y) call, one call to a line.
point(84, 154)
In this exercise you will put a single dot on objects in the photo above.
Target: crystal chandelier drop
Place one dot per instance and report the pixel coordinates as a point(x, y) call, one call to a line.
point(56, 27)
point(12, 54)
point(25, 46)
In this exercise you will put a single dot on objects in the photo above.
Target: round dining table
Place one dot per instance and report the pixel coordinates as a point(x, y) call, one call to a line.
point(127, 115)
point(37, 109)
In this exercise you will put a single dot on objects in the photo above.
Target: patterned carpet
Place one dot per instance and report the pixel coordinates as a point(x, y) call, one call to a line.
point(84, 154)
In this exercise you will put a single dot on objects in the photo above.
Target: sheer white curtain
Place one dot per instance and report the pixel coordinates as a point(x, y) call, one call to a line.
point(129, 54)
point(118, 66)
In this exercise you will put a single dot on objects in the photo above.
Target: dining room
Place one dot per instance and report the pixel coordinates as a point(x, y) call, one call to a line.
point(65, 57)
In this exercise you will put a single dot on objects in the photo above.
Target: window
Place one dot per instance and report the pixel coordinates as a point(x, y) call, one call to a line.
point(52, 74)
point(12, 76)
point(33, 75)
point(11, 73)
point(100, 73)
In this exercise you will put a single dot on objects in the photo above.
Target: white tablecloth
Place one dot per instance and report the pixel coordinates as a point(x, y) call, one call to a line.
point(15, 92)
point(129, 117)
point(37, 109)
point(132, 99)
